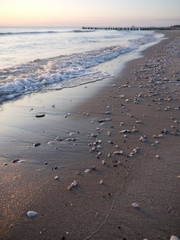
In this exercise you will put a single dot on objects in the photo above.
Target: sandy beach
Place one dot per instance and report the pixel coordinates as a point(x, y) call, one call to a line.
point(99, 161)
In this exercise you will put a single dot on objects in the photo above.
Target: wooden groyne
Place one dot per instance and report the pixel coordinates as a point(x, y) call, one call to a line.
point(176, 27)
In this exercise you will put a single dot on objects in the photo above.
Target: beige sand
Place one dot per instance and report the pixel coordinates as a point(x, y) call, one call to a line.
point(144, 101)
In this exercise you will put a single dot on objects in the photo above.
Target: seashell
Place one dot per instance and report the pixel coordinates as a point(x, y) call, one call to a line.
point(125, 131)
point(51, 143)
point(56, 177)
point(58, 138)
point(31, 214)
point(174, 238)
point(142, 139)
point(101, 182)
point(121, 123)
point(107, 112)
point(109, 155)
point(87, 170)
point(109, 133)
point(139, 122)
point(108, 119)
point(99, 154)
point(118, 152)
point(74, 183)
point(134, 130)
point(93, 168)
point(93, 135)
point(103, 162)
point(157, 156)
point(121, 96)
point(93, 149)
point(70, 139)
point(135, 205)
point(110, 142)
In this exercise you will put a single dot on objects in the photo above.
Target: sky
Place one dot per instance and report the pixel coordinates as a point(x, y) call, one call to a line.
point(78, 13)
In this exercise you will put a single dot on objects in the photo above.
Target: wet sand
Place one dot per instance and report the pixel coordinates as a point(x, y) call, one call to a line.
point(120, 144)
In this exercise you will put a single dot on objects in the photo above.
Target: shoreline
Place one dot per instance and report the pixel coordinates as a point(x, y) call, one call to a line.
point(92, 210)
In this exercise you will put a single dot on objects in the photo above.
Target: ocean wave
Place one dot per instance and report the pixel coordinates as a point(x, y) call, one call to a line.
point(43, 32)
point(61, 71)
point(27, 32)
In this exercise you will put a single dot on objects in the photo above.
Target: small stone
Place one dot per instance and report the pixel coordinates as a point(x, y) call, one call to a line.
point(142, 139)
point(135, 205)
point(93, 168)
point(99, 154)
point(93, 135)
point(15, 160)
point(139, 122)
point(58, 138)
point(87, 170)
point(101, 182)
point(31, 214)
point(36, 144)
point(157, 156)
point(40, 115)
point(56, 177)
point(108, 113)
point(118, 152)
point(174, 238)
point(103, 162)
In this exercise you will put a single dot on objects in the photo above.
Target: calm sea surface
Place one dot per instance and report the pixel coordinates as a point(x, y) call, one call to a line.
point(39, 59)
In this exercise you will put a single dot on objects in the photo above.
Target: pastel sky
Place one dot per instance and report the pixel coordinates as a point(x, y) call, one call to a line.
point(89, 12)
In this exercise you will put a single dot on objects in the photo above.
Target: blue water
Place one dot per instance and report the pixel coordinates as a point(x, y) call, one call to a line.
point(36, 59)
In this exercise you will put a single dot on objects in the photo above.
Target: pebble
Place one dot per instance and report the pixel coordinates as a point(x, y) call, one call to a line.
point(139, 122)
point(174, 238)
point(135, 205)
point(101, 182)
point(15, 160)
point(93, 135)
point(56, 177)
point(36, 144)
point(118, 152)
point(87, 170)
point(31, 214)
point(157, 156)
point(73, 185)
point(58, 138)
point(40, 115)
point(103, 162)
point(142, 139)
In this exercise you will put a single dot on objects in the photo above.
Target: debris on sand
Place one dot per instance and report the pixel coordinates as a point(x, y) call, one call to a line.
point(31, 214)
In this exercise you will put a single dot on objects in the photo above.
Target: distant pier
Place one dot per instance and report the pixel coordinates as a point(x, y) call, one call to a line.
point(176, 27)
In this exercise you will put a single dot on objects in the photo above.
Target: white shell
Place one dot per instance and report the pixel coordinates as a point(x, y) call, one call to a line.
point(74, 183)
point(31, 214)
point(174, 238)
point(101, 182)
point(56, 177)
point(87, 170)
point(135, 205)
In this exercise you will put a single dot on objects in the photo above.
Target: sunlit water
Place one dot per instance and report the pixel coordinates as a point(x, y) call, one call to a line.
point(36, 59)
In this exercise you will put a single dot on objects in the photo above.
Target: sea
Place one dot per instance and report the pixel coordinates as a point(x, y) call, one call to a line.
point(44, 59)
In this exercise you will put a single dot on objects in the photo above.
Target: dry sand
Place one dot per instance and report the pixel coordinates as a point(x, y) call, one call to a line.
point(123, 148)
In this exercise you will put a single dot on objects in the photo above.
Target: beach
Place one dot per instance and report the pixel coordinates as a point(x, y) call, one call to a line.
point(99, 161)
